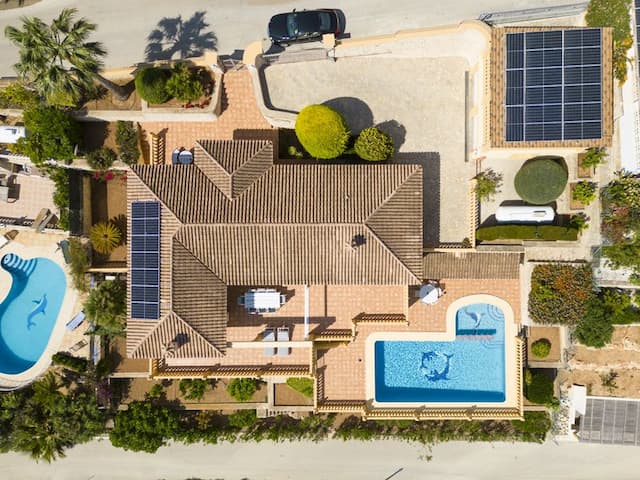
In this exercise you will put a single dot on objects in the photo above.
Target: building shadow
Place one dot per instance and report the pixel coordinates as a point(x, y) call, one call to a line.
point(397, 131)
point(178, 38)
point(430, 162)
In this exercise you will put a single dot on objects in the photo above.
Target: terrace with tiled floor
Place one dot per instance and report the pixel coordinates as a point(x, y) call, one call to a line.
point(27, 196)
point(240, 119)
point(341, 369)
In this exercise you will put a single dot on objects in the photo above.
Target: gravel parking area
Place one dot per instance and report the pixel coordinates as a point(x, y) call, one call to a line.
point(419, 101)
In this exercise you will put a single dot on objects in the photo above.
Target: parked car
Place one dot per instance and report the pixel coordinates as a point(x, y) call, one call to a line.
point(305, 25)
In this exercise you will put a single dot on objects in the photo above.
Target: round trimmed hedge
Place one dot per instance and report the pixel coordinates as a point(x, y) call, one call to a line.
point(322, 131)
point(541, 348)
point(374, 145)
point(541, 180)
point(151, 84)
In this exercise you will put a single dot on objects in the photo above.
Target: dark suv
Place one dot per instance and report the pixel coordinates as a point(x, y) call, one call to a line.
point(305, 25)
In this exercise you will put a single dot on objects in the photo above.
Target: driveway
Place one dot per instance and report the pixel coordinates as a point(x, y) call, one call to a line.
point(227, 25)
point(419, 101)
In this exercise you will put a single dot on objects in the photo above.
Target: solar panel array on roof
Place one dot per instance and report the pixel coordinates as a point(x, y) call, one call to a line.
point(145, 260)
point(553, 85)
point(611, 420)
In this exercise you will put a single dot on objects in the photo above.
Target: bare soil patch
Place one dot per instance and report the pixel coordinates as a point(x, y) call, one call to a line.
point(550, 333)
point(284, 395)
point(109, 203)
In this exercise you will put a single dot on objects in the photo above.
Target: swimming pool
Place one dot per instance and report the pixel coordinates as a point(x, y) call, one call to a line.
point(29, 311)
point(469, 369)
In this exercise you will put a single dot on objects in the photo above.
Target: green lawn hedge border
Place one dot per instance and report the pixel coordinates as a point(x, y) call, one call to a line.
point(527, 232)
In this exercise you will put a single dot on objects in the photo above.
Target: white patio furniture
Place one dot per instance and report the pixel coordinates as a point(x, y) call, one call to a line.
point(261, 300)
point(269, 336)
point(283, 336)
point(429, 294)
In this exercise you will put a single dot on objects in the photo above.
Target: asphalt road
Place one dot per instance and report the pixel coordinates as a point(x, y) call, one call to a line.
point(336, 460)
point(226, 25)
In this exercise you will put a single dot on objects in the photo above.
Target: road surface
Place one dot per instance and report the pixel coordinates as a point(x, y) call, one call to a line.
point(336, 460)
point(124, 25)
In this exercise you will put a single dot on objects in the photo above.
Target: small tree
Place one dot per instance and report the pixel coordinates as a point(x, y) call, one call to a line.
point(193, 389)
point(52, 134)
point(541, 348)
point(106, 307)
point(374, 145)
point(595, 328)
point(540, 390)
point(127, 140)
point(488, 184)
point(184, 84)
point(144, 427)
point(151, 84)
point(242, 418)
point(242, 389)
point(593, 157)
point(584, 192)
point(322, 131)
point(105, 237)
point(579, 221)
point(101, 159)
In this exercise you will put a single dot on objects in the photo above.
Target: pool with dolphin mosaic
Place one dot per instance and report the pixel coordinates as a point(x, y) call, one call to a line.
point(29, 311)
point(469, 369)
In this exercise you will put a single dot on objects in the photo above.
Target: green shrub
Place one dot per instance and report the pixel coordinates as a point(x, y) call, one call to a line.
point(79, 263)
point(106, 308)
point(535, 424)
point(70, 362)
point(559, 293)
point(127, 140)
point(540, 390)
point(16, 95)
point(322, 131)
point(579, 222)
point(243, 418)
point(151, 84)
point(541, 180)
point(184, 84)
point(144, 427)
point(193, 389)
point(527, 232)
point(488, 184)
point(101, 159)
point(374, 145)
point(302, 385)
point(541, 348)
point(615, 14)
point(60, 177)
point(594, 328)
point(242, 389)
point(584, 192)
point(51, 133)
point(593, 157)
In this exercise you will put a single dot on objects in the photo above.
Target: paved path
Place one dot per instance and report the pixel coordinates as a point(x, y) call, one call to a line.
point(336, 460)
point(124, 25)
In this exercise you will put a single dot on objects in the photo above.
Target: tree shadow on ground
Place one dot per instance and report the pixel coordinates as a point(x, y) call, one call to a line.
point(397, 131)
point(356, 112)
point(175, 38)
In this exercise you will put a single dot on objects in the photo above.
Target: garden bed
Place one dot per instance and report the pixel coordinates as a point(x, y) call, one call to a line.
point(284, 395)
point(584, 172)
point(550, 333)
point(108, 101)
point(109, 203)
point(573, 203)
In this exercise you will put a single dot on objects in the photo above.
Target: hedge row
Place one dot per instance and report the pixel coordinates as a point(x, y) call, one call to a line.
point(66, 360)
point(527, 232)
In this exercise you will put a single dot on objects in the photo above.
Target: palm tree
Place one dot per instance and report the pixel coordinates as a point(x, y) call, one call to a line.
point(57, 60)
point(106, 308)
point(105, 237)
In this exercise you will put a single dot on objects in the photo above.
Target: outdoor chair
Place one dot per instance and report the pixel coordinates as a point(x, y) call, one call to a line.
point(76, 321)
point(269, 336)
point(282, 335)
point(241, 300)
point(77, 346)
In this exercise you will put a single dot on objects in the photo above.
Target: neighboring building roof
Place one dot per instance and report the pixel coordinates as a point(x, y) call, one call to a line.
point(477, 265)
point(234, 218)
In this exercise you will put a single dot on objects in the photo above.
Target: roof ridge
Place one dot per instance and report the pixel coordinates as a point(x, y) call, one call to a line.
point(208, 154)
point(184, 322)
point(150, 190)
point(193, 255)
point(259, 144)
point(149, 333)
point(391, 252)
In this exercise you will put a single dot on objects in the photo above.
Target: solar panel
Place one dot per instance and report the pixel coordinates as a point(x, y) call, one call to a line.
point(554, 85)
point(145, 260)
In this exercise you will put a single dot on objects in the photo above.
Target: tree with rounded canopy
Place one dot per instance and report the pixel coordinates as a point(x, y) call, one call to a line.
point(541, 180)
point(57, 60)
point(374, 145)
point(322, 131)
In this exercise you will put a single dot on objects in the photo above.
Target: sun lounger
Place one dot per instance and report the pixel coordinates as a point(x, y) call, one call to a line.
point(76, 321)
point(77, 346)
point(64, 246)
point(269, 336)
point(283, 336)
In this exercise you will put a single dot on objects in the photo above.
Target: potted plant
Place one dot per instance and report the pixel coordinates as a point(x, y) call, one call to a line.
point(589, 160)
point(582, 194)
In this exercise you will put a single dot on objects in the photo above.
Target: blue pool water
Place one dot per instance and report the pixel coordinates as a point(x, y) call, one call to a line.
point(469, 369)
point(30, 310)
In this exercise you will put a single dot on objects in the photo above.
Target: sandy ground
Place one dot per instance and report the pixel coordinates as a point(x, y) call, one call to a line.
point(336, 460)
point(622, 356)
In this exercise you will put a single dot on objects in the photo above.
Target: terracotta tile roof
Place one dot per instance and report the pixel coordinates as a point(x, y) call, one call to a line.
point(233, 165)
point(477, 265)
point(157, 342)
point(279, 224)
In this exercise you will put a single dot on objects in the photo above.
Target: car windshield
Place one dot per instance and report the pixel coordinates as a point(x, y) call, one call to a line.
point(301, 24)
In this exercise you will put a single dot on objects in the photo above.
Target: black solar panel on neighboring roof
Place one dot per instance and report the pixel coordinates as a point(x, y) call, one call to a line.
point(553, 85)
point(145, 260)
